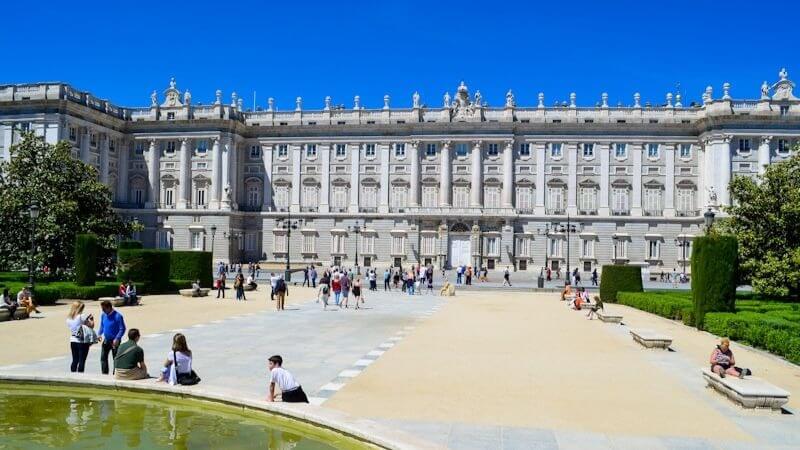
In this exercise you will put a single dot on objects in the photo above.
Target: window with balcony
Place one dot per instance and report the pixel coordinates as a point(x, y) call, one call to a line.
point(400, 150)
point(399, 197)
point(525, 198)
point(279, 241)
point(555, 150)
point(556, 199)
point(492, 150)
point(369, 150)
point(311, 196)
point(169, 196)
point(283, 150)
point(653, 196)
point(369, 197)
point(461, 196)
point(200, 197)
point(525, 149)
point(251, 242)
point(652, 151)
point(341, 150)
point(587, 199)
point(685, 200)
point(138, 196)
point(430, 150)
point(197, 240)
point(491, 196)
point(620, 200)
point(430, 196)
point(253, 196)
point(339, 199)
point(281, 199)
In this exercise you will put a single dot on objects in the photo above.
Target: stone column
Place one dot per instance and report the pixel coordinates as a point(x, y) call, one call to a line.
point(572, 178)
point(104, 159)
point(605, 172)
point(184, 181)
point(85, 152)
point(153, 174)
point(724, 170)
point(355, 186)
point(266, 155)
point(296, 158)
point(51, 133)
point(508, 175)
point(325, 191)
point(444, 181)
point(122, 171)
point(413, 195)
point(383, 205)
point(763, 154)
point(540, 148)
point(233, 172)
point(7, 132)
point(476, 175)
point(636, 197)
point(669, 180)
point(226, 193)
point(216, 175)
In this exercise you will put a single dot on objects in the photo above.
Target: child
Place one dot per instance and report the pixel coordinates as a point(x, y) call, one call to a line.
point(291, 391)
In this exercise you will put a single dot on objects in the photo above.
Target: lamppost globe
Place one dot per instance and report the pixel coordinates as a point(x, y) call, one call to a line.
point(34, 210)
point(708, 217)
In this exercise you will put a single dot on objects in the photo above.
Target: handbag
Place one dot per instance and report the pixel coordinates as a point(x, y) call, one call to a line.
point(186, 379)
point(89, 336)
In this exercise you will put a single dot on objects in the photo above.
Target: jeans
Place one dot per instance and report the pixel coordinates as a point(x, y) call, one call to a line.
point(104, 349)
point(313, 282)
point(79, 353)
point(410, 289)
point(386, 286)
point(221, 291)
point(337, 296)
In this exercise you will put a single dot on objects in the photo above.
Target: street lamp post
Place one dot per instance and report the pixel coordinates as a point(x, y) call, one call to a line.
point(682, 243)
point(213, 235)
point(568, 229)
point(356, 229)
point(708, 218)
point(289, 225)
point(615, 238)
point(33, 211)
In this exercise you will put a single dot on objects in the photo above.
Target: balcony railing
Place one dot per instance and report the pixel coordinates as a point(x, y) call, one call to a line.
point(621, 212)
point(587, 212)
point(525, 210)
point(368, 209)
point(688, 213)
point(339, 209)
point(309, 209)
point(653, 212)
point(398, 209)
point(251, 208)
point(555, 211)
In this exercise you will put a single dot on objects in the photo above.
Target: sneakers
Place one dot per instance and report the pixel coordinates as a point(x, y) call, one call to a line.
point(722, 374)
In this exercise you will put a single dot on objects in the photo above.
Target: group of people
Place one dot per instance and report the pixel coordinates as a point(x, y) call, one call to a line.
point(579, 299)
point(128, 293)
point(340, 283)
point(574, 276)
point(253, 269)
point(24, 300)
point(128, 357)
point(674, 278)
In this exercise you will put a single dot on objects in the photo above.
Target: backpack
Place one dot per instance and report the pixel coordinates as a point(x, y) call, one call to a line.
point(280, 286)
point(325, 289)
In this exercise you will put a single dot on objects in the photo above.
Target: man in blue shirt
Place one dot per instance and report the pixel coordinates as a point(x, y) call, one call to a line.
point(112, 328)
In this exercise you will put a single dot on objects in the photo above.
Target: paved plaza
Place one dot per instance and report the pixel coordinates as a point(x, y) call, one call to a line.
point(487, 369)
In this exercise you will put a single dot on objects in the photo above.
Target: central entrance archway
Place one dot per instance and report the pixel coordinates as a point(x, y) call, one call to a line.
point(460, 249)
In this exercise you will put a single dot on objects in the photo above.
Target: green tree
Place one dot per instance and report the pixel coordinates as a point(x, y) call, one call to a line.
point(765, 217)
point(71, 199)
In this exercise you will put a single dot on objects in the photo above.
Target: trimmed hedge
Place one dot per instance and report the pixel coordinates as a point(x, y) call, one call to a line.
point(85, 259)
point(714, 275)
point(675, 307)
point(129, 245)
point(775, 334)
point(189, 265)
point(619, 279)
point(144, 266)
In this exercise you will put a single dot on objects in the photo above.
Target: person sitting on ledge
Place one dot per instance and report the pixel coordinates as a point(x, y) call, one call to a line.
point(130, 294)
point(178, 366)
point(129, 362)
point(594, 307)
point(251, 282)
point(567, 292)
point(196, 288)
point(25, 300)
point(291, 391)
point(722, 360)
point(123, 290)
point(9, 304)
point(580, 298)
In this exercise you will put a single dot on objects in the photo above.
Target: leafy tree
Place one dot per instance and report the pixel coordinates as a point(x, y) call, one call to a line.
point(71, 199)
point(765, 217)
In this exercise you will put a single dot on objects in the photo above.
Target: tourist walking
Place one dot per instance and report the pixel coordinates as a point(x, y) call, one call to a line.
point(313, 276)
point(594, 276)
point(291, 391)
point(507, 277)
point(112, 328)
point(81, 335)
point(306, 277)
point(336, 286)
point(221, 286)
point(273, 281)
point(129, 362)
point(357, 294)
point(281, 291)
point(238, 286)
point(373, 280)
point(410, 283)
point(346, 285)
point(324, 294)
point(178, 366)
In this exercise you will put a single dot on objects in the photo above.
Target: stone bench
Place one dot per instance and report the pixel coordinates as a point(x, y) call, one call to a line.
point(250, 287)
point(118, 301)
point(191, 293)
point(20, 314)
point(651, 339)
point(750, 392)
point(607, 317)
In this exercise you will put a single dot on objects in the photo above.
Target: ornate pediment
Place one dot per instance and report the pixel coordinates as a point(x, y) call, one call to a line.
point(782, 90)
point(172, 96)
point(461, 108)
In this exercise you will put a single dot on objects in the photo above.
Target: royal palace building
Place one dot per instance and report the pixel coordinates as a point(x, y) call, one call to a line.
point(459, 182)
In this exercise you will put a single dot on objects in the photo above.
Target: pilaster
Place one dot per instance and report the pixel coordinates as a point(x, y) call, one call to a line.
point(476, 175)
point(605, 169)
point(669, 181)
point(266, 155)
point(355, 169)
point(153, 173)
point(444, 181)
point(185, 184)
point(636, 196)
point(540, 148)
point(324, 198)
point(508, 175)
point(572, 178)
point(296, 156)
point(103, 158)
point(763, 154)
point(413, 195)
point(385, 154)
point(216, 175)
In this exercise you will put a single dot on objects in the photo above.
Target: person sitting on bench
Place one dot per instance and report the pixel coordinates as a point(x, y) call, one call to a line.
point(722, 360)
point(594, 307)
point(567, 292)
point(196, 288)
point(130, 294)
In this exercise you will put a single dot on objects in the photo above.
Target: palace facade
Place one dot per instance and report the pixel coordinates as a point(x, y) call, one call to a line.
point(460, 183)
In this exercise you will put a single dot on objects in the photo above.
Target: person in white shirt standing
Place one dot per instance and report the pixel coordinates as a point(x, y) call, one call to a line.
point(291, 391)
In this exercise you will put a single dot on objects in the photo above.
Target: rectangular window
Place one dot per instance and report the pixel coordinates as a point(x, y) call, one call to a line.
point(430, 150)
point(620, 150)
point(112, 145)
point(429, 245)
point(283, 150)
point(250, 242)
point(311, 150)
point(338, 243)
point(369, 150)
point(620, 206)
point(525, 149)
point(461, 149)
point(202, 146)
point(368, 244)
point(685, 200)
point(197, 240)
point(340, 197)
point(254, 196)
point(281, 197)
point(620, 249)
point(139, 148)
point(555, 150)
point(170, 116)
point(279, 242)
point(524, 247)
point(783, 146)
point(399, 196)
point(652, 150)
point(784, 110)
point(492, 150)
point(492, 247)
point(555, 247)
point(138, 196)
point(587, 200)
point(369, 196)
point(310, 198)
point(587, 248)
point(309, 243)
point(430, 196)
point(686, 150)
point(491, 197)
point(525, 198)
point(73, 134)
point(92, 136)
point(169, 196)
point(653, 250)
point(744, 145)
point(555, 200)
point(255, 151)
point(398, 245)
point(652, 202)
point(588, 150)
point(399, 150)
point(201, 197)
point(461, 196)
point(341, 150)
point(170, 147)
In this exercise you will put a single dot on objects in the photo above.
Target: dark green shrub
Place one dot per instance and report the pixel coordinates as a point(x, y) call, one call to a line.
point(85, 259)
point(662, 304)
point(129, 245)
point(189, 265)
point(777, 335)
point(714, 275)
point(144, 266)
point(619, 279)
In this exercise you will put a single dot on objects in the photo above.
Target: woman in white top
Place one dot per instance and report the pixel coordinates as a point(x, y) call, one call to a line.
point(178, 366)
point(79, 342)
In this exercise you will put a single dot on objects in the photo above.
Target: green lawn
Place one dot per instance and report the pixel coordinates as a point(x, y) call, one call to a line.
point(771, 324)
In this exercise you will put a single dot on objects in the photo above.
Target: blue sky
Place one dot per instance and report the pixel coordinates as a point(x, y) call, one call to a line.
point(124, 50)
